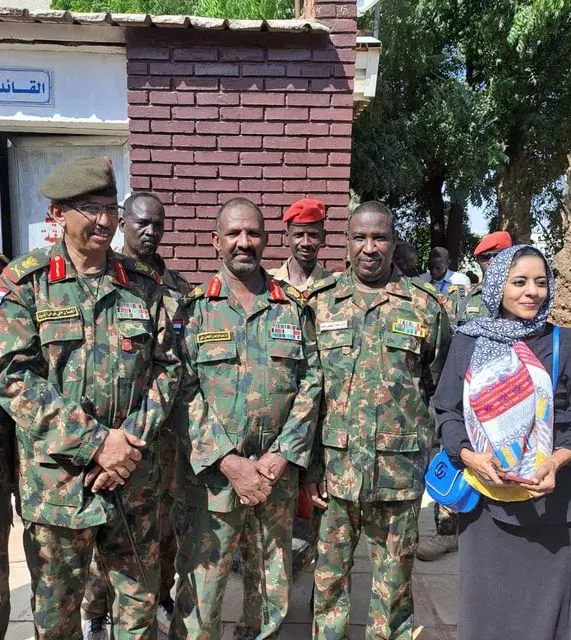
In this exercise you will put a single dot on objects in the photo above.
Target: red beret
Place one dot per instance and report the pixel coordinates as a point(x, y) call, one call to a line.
point(494, 242)
point(305, 211)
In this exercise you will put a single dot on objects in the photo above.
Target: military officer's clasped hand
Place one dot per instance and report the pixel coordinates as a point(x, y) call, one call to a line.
point(250, 486)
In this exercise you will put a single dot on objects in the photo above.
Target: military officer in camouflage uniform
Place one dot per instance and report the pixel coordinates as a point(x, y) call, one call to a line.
point(253, 389)
point(470, 307)
point(88, 370)
point(305, 235)
point(7, 462)
point(382, 341)
point(142, 224)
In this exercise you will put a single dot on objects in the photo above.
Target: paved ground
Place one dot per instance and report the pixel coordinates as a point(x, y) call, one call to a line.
point(435, 586)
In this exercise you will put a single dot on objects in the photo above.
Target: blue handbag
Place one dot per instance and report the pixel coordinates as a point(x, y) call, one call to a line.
point(445, 481)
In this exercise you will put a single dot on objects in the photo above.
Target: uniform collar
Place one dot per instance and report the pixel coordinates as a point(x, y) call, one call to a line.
point(318, 273)
point(398, 285)
point(62, 268)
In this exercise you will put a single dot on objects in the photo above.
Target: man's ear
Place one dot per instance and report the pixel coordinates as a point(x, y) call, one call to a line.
point(122, 224)
point(215, 239)
point(56, 214)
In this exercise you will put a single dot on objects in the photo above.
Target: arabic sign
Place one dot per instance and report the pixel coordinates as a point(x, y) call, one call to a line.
point(26, 86)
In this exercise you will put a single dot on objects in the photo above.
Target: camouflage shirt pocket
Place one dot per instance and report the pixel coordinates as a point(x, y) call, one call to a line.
point(217, 364)
point(57, 484)
point(59, 339)
point(284, 357)
point(135, 348)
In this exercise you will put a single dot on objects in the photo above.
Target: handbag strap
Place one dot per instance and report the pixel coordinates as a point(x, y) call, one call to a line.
point(555, 362)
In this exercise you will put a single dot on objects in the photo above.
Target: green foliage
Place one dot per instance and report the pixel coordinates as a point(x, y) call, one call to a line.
point(237, 9)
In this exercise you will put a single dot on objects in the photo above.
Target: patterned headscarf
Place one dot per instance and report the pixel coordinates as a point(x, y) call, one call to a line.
point(495, 335)
point(508, 399)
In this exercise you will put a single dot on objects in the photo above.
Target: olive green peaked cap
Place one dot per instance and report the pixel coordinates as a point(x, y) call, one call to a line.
point(80, 177)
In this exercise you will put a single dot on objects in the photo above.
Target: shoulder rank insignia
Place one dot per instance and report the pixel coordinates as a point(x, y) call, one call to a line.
point(193, 294)
point(292, 292)
point(214, 286)
point(276, 292)
point(138, 266)
point(21, 267)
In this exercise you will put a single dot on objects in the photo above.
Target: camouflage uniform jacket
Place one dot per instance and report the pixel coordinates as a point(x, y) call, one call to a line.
point(282, 275)
point(72, 368)
point(253, 384)
point(380, 361)
point(472, 307)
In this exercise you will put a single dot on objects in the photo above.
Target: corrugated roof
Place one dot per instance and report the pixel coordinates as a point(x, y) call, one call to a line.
point(11, 14)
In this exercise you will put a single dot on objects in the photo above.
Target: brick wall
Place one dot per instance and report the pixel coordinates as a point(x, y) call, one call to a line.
point(267, 116)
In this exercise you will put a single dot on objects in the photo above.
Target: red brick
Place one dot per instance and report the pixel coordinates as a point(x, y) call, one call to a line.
point(194, 83)
point(341, 40)
point(217, 185)
point(173, 184)
point(178, 238)
point(289, 54)
point(231, 171)
point(263, 70)
point(343, 26)
point(241, 113)
point(149, 111)
point(285, 172)
point(194, 142)
point(339, 186)
point(140, 182)
point(148, 82)
point(277, 253)
point(325, 11)
point(332, 85)
point(300, 70)
point(183, 265)
point(206, 126)
point(287, 113)
point(255, 197)
point(195, 113)
point(240, 142)
point(195, 252)
point(137, 68)
point(241, 55)
point(305, 158)
point(171, 69)
point(304, 186)
point(340, 158)
point(218, 69)
point(334, 199)
point(331, 114)
point(241, 84)
point(150, 53)
point(218, 99)
point(262, 128)
point(348, 10)
point(264, 99)
point(163, 97)
point(336, 225)
point(209, 265)
point(336, 239)
point(172, 126)
point(139, 126)
point(194, 224)
point(170, 155)
point(322, 144)
point(286, 84)
point(150, 140)
point(328, 172)
point(261, 157)
point(265, 186)
point(195, 54)
point(140, 155)
point(337, 213)
point(166, 197)
point(196, 170)
point(285, 142)
point(342, 100)
point(216, 157)
point(185, 97)
point(340, 129)
point(195, 198)
point(336, 265)
point(343, 70)
point(151, 169)
point(279, 199)
point(346, 55)
point(307, 129)
point(313, 99)
point(207, 211)
point(137, 97)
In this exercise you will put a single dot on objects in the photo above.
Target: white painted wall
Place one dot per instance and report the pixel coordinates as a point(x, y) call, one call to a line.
point(90, 91)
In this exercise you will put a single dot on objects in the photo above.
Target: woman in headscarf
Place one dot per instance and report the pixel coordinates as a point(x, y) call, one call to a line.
point(500, 419)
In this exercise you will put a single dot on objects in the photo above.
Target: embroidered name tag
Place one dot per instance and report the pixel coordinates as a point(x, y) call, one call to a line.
point(283, 331)
point(213, 336)
point(57, 313)
point(409, 328)
point(132, 311)
point(332, 326)
point(473, 309)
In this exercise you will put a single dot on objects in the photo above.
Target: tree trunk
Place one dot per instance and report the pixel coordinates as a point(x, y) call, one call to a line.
point(514, 191)
point(562, 263)
point(454, 232)
point(433, 203)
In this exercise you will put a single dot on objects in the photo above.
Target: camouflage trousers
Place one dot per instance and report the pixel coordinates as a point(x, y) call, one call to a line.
point(59, 559)
point(99, 593)
point(203, 564)
point(5, 525)
point(446, 521)
point(391, 529)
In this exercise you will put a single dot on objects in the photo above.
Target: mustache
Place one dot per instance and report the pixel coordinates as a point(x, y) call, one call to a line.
point(243, 252)
point(101, 231)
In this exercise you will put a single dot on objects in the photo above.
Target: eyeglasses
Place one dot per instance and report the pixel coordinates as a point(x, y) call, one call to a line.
point(93, 211)
point(484, 257)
